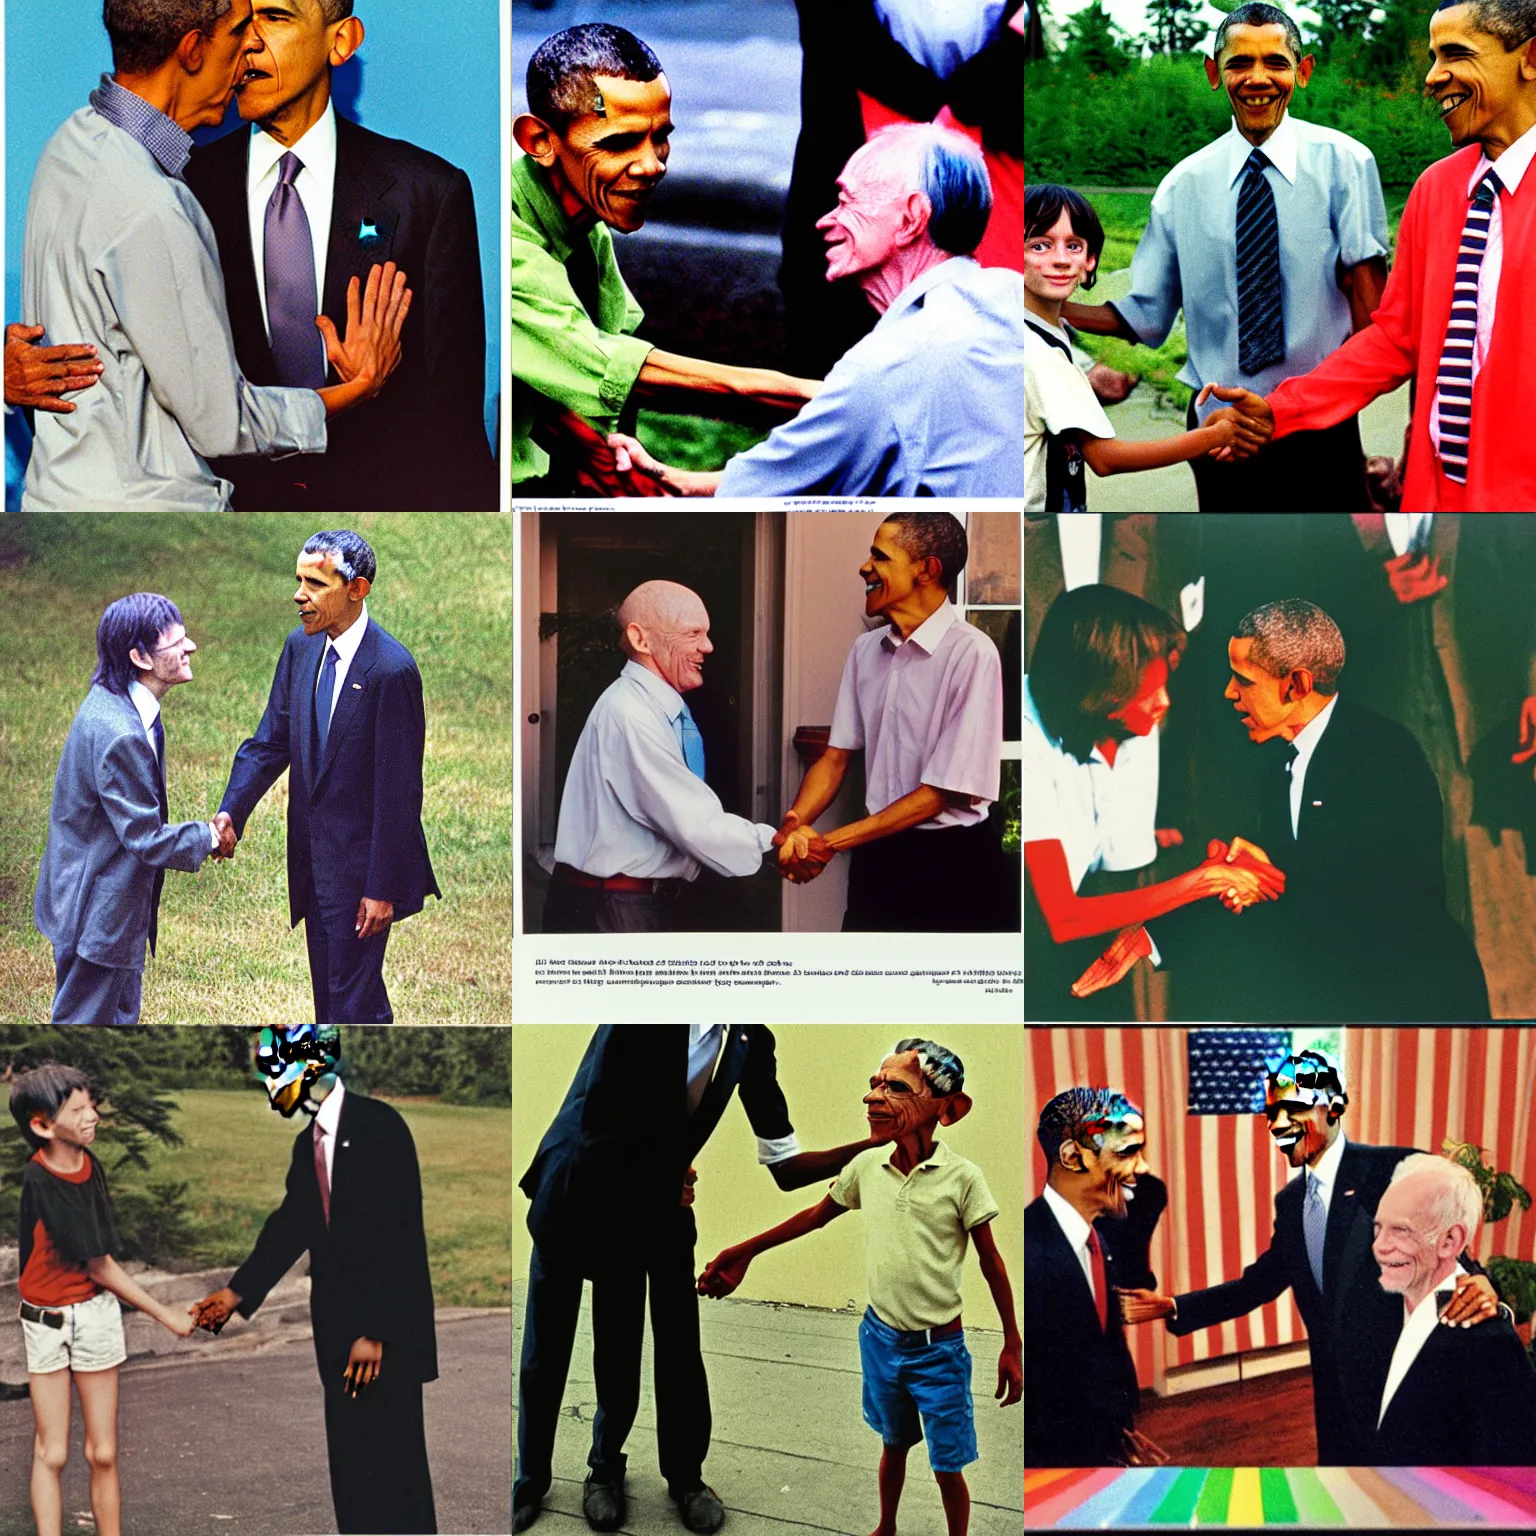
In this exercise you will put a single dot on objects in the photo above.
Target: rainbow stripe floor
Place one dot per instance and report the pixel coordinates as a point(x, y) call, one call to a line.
point(1113, 1498)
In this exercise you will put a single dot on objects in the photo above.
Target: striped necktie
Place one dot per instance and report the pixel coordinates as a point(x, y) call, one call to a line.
point(1454, 380)
point(1260, 315)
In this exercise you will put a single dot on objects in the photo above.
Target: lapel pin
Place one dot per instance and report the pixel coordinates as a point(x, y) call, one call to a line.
point(358, 688)
point(348, 1144)
point(368, 231)
point(1318, 804)
point(1349, 1191)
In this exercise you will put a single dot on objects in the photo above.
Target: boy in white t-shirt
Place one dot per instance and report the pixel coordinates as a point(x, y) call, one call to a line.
point(1064, 425)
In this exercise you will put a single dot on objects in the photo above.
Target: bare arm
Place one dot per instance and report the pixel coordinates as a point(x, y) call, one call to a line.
point(754, 395)
point(819, 787)
point(1099, 320)
point(1116, 456)
point(1010, 1361)
point(1364, 284)
point(110, 1276)
point(923, 804)
point(807, 1167)
point(728, 1268)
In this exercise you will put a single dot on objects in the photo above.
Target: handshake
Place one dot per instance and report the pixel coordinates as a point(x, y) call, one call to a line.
point(224, 830)
point(213, 1311)
point(803, 851)
point(1247, 423)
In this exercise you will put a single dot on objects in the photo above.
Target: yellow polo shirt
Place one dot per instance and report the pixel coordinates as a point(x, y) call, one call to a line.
point(915, 1230)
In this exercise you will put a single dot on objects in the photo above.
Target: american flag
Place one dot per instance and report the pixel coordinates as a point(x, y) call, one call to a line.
point(1226, 1068)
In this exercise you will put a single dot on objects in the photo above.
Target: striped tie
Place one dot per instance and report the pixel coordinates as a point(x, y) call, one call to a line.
point(1454, 380)
point(1260, 317)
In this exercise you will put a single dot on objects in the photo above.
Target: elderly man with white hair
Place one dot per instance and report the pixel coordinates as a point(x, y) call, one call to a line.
point(1441, 1396)
point(637, 820)
point(928, 403)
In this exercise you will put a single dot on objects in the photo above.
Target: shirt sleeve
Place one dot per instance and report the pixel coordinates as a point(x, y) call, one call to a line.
point(1157, 294)
point(847, 733)
point(1043, 823)
point(967, 757)
point(557, 350)
point(1057, 398)
point(845, 1187)
point(1360, 210)
point(978, 1207)
point(662, 793)
point(78, 1217)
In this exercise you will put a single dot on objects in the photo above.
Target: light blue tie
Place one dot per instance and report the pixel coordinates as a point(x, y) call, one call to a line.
point(690, 741)
point(1314, 1225)
point(325, 694)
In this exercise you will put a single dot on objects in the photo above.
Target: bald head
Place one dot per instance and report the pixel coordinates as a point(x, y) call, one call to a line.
point(940, 165)
point(664, 627)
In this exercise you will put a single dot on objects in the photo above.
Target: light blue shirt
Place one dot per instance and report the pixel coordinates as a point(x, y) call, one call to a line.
point(926, 405)
point(1330, 209)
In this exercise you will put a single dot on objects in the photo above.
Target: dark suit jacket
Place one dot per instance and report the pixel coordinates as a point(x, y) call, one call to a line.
point(368, 1271)
point(1364, 904)
point(1080, 1382)
point(1130, 1240)
point(421, 444)
point(1469, 1399)
point(354, 820)
point(609, 1172)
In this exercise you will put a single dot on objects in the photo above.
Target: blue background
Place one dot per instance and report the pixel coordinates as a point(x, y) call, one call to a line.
point(427, 73)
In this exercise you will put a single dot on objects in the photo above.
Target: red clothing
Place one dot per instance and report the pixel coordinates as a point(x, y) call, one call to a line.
point(1406, 338)
point(47, 1278)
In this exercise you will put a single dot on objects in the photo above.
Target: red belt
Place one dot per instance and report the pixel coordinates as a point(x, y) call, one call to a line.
point(610, 882)
point(927, 1335)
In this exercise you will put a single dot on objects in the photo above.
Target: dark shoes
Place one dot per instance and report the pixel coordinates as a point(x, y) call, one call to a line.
point(523, 1515)
point(603, 1504)
point(700, 1510)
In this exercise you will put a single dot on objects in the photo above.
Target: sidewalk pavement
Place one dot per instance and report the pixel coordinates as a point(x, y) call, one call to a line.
point(790, 1454)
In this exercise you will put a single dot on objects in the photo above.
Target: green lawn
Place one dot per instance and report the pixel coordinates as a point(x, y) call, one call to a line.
point(694, 442)
point(226, 953)
point(234, 1158)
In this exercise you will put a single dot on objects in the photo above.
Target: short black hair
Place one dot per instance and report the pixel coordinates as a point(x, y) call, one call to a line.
point(1092, 646)
point(43, 1091)
point(350, 552)
point(132, 623)
point(560, 72)
point(1082, 1115)
point(335, 10)
point(1043, 205)
point(1512, 22)
point(1257, 14)
point(933, 536)
point(144, 33)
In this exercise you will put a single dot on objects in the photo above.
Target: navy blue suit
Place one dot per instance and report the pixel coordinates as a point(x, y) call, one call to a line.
point(354, 817)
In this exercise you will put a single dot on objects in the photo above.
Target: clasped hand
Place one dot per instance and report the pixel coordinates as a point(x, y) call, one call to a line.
point(1251, 421)
point(228, 837)
point(803, 852)
point(724, 1273)
point(1241, 873)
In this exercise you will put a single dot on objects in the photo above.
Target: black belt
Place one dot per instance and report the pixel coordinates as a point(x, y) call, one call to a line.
point(31, 1314)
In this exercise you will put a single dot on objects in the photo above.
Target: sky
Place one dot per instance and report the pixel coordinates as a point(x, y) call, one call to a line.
point(1131, 15)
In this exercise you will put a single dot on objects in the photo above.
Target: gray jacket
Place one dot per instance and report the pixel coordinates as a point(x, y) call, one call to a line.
point(98, 891)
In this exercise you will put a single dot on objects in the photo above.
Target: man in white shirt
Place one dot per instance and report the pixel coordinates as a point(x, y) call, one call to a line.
point(1441, 1396)
point(110, 838)
point(637, 821)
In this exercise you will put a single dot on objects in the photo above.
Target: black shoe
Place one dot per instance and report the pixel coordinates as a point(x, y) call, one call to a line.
point(603, 1504)
point(700, 1509)
point(523, 1515)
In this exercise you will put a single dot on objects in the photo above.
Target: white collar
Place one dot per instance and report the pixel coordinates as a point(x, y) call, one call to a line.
point(145, 702)
point(347, 642)
point(1068, 1218)
point(1511, 165)
point(1427, 1314)
point(950, 270)
point(316, 150)
point(328, 1116)
point(927, 634)
point(1280, 149)
point(1327, 1169)
point(657, 686)
point(1310, 734)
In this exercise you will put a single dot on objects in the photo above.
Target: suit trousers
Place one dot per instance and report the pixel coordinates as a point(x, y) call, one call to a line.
point(86, 993)
point(381, 1483)
point(1322, 471)
point(573, 908)
point(346, 973)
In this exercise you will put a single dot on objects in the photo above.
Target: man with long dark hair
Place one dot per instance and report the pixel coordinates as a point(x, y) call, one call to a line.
point(110, 837)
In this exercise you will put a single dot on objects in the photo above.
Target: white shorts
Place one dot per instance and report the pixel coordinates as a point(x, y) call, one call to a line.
point(90, 1340)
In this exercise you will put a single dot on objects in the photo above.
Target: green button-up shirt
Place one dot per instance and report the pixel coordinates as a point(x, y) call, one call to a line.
point(557, 353)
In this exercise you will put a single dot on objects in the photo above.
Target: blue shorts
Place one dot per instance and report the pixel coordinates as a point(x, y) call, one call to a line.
point(929, 1382)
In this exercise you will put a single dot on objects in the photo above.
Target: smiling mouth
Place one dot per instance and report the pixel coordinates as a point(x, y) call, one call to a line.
point(1448, 104)
point(1257, 103)
point(1286, 1141)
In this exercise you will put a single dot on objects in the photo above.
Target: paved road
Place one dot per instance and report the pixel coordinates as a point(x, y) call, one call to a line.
point(237, 1443)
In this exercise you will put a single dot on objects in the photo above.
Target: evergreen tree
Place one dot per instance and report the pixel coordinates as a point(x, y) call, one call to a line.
point(1173, 26)
point(1095, 43)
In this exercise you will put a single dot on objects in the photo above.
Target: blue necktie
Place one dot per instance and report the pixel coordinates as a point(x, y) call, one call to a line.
point(1314, 1226)
point(1260, 320)
point(288, 260)
point(325, 693)
point(690, 741)
point(1454, 380)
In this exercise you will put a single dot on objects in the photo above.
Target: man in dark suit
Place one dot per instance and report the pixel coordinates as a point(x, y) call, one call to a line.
point(610, 1191)
point(353, 1203)
point(1093, 1140)
point(1320, 1250)
point(1431, 1396)
point(300, 205)
point(345, 717)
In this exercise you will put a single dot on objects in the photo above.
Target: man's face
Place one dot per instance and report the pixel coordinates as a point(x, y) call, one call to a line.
point(171, 660)
point(1259, 73)
point(226, 49)
point(1299, 1129)
point(679, 652)
point(292, 63)
point(1264, 703)
point(1475, 81)
point(1146, 709)
point(75, 1124)
point(613, 161)
point(890, 574)
point(899, 1100)
point(861, 232)
point(1409, 1253)
point(1057, 261)
point(1114, 1167)
point(323, 598)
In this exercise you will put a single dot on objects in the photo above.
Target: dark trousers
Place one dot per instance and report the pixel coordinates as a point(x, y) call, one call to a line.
point(1306, 471)
point(381, 1484)
point(618, 1326)
point(346, 973)
point(86, 993)
point(573, 908)
point(949, 880)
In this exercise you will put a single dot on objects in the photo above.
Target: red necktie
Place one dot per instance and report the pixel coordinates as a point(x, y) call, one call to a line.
point(322, 1178)
point(1100, 1286)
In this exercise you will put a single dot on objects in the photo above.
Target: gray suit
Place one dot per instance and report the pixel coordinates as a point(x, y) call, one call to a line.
point(98, 891)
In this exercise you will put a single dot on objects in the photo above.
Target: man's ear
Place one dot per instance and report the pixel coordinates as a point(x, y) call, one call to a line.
point(348, 39)
point(358, 588)
point(915, 218)
point(956, 1107)
point(1213, 74)
point(1304, 67)
point(534, 137)
point(1070, 1156)
point(1528, 61)
point(44, 1128)
point(1298, 685)
point(140, 660)
point(192, 51)
point(637, 641)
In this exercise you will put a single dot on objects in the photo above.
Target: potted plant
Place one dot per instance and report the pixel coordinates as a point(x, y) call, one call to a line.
point(1513, 1279)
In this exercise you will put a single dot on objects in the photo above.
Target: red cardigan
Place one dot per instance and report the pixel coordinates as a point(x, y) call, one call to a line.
point(1405, 339)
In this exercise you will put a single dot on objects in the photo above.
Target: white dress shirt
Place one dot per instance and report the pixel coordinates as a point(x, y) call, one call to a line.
point(1418, 1324)
point(1082, 543)
point(1306, 744)
point(328, 1119)
point(1326, 1173)
point(631, 806)
point(148, 707)
point(1403, 527)
point(1511, 167)
point(1075, 1230)
point(316, 186)
point(925, 710)
point(345, 645)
